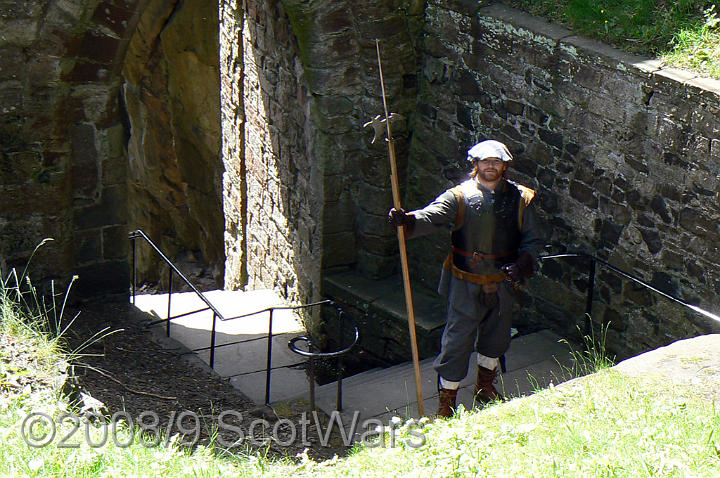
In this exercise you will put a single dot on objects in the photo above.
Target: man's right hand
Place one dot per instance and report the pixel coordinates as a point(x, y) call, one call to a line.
point(398, 217)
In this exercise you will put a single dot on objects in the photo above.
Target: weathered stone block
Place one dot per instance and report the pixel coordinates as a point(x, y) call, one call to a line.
point(664, 282)
point(696, 271)
point(436, 48)
point(87, 72)
point(584, 194)
point(21, 167)
point(553, 139)
point(88, 248)
point(103, 278)
point(96, 47)
point(110, 209)
point(615, 320)
point(85, 157)
point(14, 63)
point(609, 231)
point(113, 16)
point(337, 217)
point(652, 239)
point(467, 85)
point(696, 222)
point(338, 249)
point(375, 266)
point(115, 243)
point(21, 32)
point(638, 295)
point(375, 245)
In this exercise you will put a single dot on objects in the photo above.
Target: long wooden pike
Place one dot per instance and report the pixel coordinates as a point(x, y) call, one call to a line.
point(376, 123)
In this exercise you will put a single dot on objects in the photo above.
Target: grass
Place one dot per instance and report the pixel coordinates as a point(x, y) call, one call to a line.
point(606, 424)
point(601, 425)
point(682, 33)
point(593, 357)
point(39, 438)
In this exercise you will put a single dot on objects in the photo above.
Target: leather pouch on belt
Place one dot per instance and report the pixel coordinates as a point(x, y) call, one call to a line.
point(489, 295)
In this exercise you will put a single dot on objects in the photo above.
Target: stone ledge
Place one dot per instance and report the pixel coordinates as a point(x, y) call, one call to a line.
point(693, 362)
point(526, 21)
point(378, 307)
point(559, 35)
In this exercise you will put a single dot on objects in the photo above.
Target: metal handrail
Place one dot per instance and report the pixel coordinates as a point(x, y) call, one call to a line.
point(312, 356)
point(306, 353)
point(591, 285)
point(216, 313)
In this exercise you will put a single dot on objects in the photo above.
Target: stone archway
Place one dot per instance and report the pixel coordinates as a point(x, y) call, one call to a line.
point(97, 96)
point(171, 92)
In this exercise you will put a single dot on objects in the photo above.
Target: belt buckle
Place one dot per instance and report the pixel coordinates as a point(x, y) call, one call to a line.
point(477, 257)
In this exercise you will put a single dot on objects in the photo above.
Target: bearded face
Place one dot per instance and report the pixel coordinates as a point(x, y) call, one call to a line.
point(490, 170)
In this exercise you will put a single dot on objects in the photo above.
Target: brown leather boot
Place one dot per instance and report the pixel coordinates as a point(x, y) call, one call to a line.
point(485, 391)
point(446, 407)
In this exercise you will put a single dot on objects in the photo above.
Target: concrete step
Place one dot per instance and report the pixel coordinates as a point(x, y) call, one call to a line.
point(533, 361)
point(379, 309)
point(524, 351)
point(243, 363)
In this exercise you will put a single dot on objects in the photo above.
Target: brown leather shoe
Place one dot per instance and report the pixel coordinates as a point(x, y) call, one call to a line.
point(485, 391)
point(446, 406)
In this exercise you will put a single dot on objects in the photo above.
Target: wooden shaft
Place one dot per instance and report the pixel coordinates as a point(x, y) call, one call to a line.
point(401, 240)
point(405, 271)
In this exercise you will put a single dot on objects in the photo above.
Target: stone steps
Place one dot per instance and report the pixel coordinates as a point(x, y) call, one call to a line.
point(244, 363)
point(533, 362)
point(378, 307)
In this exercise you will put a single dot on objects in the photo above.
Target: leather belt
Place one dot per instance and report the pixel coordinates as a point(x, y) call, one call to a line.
point(480, 256)
point(482, 279)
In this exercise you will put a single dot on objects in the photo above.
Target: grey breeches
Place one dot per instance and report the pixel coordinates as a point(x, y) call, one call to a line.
point(472, 326)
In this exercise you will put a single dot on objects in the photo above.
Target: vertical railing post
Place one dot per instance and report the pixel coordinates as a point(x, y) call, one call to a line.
point(269, 358)
point(339, 363)
point(212, 341)
point(311, 374)
point(134, 277)
point(588, 304)
point(170, 284)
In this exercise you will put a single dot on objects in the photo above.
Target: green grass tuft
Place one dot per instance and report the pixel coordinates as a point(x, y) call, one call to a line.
point(682, 33)
point(606, 424)
point(602, 425)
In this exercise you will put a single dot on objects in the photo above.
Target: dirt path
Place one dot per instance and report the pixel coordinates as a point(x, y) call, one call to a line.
point(133, 375)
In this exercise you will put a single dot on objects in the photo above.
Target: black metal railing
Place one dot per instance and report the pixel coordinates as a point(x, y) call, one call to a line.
point(269, 337)
point(592, 270)
point(217, 315)
point(313, 354)
point(138, 234)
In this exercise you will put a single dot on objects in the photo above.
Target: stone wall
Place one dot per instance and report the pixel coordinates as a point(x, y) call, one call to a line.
point(62, 151)
point(624, 155)
point(69, 117)
point(270, 211)
point(171, 93)
point(304, 193)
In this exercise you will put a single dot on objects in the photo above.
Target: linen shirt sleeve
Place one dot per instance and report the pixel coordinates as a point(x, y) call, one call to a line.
point(532, 233)
point(437, 216)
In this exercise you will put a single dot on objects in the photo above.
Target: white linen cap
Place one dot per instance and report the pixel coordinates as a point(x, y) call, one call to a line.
point(489, 149)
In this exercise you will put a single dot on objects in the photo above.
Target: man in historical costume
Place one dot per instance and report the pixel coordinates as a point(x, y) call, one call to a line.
point(495, 238)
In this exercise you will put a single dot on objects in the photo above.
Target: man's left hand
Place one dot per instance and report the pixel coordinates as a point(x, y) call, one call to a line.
point(522, 269)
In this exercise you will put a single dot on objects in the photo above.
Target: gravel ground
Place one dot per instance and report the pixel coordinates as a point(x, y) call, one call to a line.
point(132, 374)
